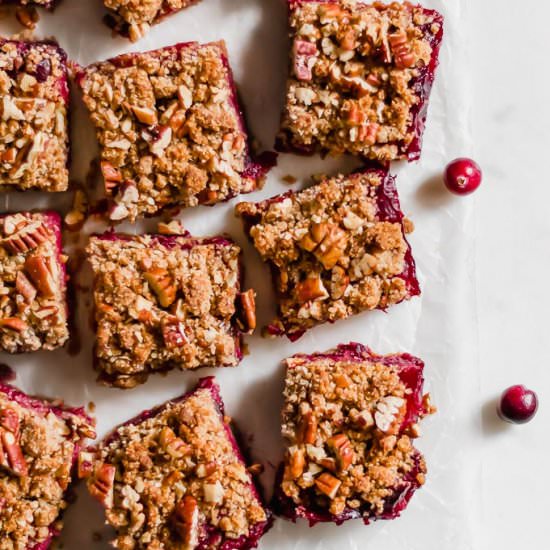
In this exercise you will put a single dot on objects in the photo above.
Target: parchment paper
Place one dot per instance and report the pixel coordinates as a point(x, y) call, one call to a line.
point(439, 326)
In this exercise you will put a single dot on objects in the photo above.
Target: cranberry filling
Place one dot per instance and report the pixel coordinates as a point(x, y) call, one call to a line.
point(410, 370)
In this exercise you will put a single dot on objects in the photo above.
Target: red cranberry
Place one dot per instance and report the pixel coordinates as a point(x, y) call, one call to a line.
point(518, 404)
point(462, 176)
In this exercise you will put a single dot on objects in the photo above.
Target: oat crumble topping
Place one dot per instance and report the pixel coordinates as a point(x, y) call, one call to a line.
point(176, 480)
point(166, 301)
point(33, 307)
point(336, 249)
point(38, 445)
point(133, 18)
point(348, 425)
point(360, 76)
point(34, 95)
point(170, 129)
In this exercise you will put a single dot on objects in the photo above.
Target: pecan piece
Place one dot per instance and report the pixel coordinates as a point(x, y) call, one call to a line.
point(38, 270)
point(186, 521)
point(9, 419)
point(85, 465)
point(145, 115)
point(162, 284)
point(172, 444)
point(25, 287)
point(26, 238)
point(173, 333)
point(13, 323)
point(361, 419)
point(296, 463)
point(304, 54)
point(27, 16)
point(326, 241)
point(339, 283)
point(340, 445)
point(12, 454)
point(101, 484)
point(404, 58)
point(311, 289)
point(389, 413)
point(111, 176)
point(307, 430)
point(328, 484)
point(246, 311)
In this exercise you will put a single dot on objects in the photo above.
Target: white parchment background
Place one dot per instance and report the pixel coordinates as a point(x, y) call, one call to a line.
point(439, 326)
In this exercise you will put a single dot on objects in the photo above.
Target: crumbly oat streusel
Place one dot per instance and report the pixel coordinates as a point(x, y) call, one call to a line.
point(37, 450)
point(343, 420)
point(333, 250)
point(169, 129)
point(34, 142)
point(33, 307)
point(360, 75)
point(165, 302)
point(175, 479)
point(133, 18)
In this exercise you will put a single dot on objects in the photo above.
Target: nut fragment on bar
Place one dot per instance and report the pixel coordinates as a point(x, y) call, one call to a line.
point(335, 249)
point(33, 305)
point(133, 18)
point(170, 129)
point(34, 102)
point(39, 443)
point(164, 302)
point(174, 477)
point(360, 78)
point(349, 417)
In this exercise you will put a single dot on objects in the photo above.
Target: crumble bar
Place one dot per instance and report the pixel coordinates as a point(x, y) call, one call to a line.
point(39, 443)
point(166, 301)
point(360, 78)
point(133, 18)
point(348, 418)
point(174, 477)
point(335, 249)
point(34, 102)
point(33, 305)
point(170, 129)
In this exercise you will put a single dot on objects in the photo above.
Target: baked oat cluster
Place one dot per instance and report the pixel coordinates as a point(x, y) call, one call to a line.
point(175, 478)
point(360, 77)
point(33, 307)
point(133, 18)
point(39, 441)
point(335, 249)
point(164, 302)
point(170, 129)
point(349, 418)
point(34, 139)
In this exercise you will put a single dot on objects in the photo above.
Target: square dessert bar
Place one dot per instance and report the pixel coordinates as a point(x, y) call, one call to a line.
point(360, 78)
point(133, 18)
point(33, 304)
point(174, 477)
point(348, 419)
point(39, 445)
point(170, 129)
point(34, 102)
point(166, 301)
point(335, 249)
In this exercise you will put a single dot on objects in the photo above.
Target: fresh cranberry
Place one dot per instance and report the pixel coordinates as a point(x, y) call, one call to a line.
point(462, 176)
point(518, 404)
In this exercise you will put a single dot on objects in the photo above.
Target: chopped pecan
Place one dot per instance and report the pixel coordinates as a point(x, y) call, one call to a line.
point(186, 521)
point(112, 176)
point(85, 464)
point(162, 284)
point(328, 484)
point(304, 53)
point(101, 484)
point(38, 270)
point(311, 289)
point(326, 241)
point(173, 333)
point(246, 311)
point(9, 419)
point(361, 419)
point(339, 283)
point(404, 58)
point(13, 323)
point(389, 413)
point(30, 236)
point(340, 445)
point(12, 454)
point(25, 287)
point(307, 430)
point(172, 444)
point(145, 115)
point(296, 463)
point(27, 16)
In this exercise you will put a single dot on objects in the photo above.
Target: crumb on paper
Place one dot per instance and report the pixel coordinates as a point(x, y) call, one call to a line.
point(289, 179)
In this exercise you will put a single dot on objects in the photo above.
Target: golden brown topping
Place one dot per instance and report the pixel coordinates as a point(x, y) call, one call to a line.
point(311, 288)
point(328, 485)
point(162, 285)
point(101, 484)
point(341, 447)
